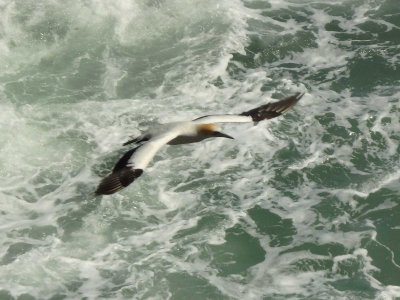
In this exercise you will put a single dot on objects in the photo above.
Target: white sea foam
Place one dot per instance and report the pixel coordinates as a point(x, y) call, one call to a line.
point(129, 244)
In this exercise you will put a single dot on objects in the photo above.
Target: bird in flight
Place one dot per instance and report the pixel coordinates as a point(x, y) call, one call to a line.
point(131, 165)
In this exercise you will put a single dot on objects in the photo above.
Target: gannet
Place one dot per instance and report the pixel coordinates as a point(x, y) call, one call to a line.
point(131, 165)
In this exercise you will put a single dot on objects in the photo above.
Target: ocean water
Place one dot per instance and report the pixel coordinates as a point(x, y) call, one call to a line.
point(305, 206)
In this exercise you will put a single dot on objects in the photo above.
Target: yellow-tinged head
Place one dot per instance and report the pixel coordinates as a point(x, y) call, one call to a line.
point(211, 130)
point(207, 128)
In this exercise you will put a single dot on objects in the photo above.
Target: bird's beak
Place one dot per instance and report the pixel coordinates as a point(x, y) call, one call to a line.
point(220, 134)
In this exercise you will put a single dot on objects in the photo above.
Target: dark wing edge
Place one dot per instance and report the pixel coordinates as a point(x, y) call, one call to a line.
point(139, 139)
point(116, 181)
point(272, 110)
point(121, 176)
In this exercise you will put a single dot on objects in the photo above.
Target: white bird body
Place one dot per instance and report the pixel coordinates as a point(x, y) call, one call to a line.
point(172, 134)
point(223, 119)
point(132, 163)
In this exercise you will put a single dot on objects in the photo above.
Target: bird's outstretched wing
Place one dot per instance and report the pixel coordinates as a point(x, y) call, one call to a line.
point(131, 165)
point(263, 112)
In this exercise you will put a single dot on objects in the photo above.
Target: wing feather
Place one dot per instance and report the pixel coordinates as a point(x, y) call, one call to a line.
point(131, 165)
point(263, 112)
point(272, 110)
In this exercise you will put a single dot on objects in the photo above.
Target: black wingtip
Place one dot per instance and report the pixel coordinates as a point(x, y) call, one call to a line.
point(298, 95)
point(118, 180)
point(273, 110)
point(288, 102)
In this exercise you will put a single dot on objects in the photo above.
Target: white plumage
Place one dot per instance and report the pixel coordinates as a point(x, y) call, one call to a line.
point(223, 119)
point(132, 163)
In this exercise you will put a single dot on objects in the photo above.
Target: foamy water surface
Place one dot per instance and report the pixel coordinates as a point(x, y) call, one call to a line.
point(305, 206)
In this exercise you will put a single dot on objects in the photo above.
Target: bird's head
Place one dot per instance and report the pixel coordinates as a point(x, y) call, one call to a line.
point(211, 130)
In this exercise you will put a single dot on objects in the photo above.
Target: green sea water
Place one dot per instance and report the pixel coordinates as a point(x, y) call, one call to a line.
point(305, 206)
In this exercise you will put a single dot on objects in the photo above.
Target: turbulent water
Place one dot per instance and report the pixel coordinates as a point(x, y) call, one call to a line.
point(306, 206)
